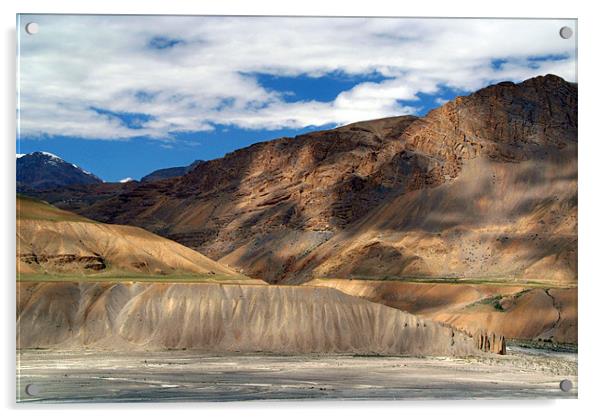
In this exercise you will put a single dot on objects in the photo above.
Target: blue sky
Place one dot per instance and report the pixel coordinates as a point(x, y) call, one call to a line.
point(142, 93)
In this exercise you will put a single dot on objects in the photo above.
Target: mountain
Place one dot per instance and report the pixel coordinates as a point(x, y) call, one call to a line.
point(482, 187)
point(79, 286)
point(503, 198)
point(43, 170)
point(51, 241)
point(166, 173)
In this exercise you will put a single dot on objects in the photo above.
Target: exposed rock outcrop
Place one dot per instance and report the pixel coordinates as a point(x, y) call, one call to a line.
point(490, 343)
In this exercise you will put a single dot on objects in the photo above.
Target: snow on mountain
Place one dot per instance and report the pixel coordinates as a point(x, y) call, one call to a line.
point(43, 170)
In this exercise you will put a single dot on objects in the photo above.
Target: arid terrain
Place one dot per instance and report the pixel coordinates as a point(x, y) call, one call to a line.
point(484, 186)
point(223, 318)
point(84, 376)
point(521, 312)
point(51, 241)
point(83, 284)
point(450, 236)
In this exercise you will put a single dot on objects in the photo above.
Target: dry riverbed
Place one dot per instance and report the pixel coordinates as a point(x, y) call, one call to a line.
point(95, 376)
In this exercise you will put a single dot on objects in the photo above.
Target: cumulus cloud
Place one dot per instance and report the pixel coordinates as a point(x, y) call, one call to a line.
point(82, 76)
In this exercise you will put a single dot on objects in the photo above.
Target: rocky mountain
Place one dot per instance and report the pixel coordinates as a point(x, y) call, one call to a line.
point(166, 173)
point(80, 285)
point(484, 186)
point(43, 170)
point(84, 284)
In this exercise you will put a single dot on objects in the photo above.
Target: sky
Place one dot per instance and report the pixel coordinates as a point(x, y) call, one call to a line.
point(122, 96)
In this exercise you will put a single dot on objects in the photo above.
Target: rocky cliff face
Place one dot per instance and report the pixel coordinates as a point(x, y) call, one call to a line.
point(491, 343)
point(434, 196)
point(507, 121)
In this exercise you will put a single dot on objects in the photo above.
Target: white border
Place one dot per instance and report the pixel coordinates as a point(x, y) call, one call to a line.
point(590, 154)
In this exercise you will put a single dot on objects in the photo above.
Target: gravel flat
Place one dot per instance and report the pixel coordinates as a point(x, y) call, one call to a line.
point(94, 376)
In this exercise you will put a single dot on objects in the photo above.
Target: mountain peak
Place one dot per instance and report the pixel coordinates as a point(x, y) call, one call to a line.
point(170, 172)
point(504, 120)
point(49, 155)
point(42, 170)
point(43, 154)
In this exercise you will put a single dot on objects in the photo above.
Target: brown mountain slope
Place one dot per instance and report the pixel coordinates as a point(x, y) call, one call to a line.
point(514, 311)
point(495, 220)
point(53, 241)
point(433, 196)
point(506, 206)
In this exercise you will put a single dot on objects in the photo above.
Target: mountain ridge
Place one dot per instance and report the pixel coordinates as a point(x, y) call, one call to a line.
point(169, 172)
point(42, 170)
point(276, 209)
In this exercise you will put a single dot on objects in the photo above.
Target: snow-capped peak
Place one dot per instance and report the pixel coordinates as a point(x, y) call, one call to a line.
point(52, 156)
point(126, 180)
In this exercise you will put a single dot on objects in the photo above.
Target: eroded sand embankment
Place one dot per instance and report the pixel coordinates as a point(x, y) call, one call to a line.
point(222, 318)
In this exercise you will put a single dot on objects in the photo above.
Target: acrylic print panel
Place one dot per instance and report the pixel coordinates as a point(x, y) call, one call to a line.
point(241, 208)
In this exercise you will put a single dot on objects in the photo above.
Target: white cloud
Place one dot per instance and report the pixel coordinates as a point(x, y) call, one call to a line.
point(201, 77)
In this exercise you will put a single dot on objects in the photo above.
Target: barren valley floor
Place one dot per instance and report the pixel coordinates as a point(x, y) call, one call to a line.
point(95, 376)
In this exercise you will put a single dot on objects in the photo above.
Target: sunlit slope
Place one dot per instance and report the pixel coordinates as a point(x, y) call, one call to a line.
point(483, 185)
point(515, 311)
point(56, 242)
point(222, 318)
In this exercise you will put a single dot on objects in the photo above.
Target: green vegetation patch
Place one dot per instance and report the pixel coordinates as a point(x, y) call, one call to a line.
point(545, 344)
point(493, 301)
point(131, 277)
point(497, 281)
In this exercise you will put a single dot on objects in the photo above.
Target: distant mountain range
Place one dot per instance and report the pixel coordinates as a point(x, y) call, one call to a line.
point(166, 173)
point(43, 170)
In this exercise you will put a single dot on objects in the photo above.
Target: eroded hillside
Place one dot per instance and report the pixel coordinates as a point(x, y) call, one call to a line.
point(514, 311)
point(484, 186)
point(51, 241)
point(222, 318)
